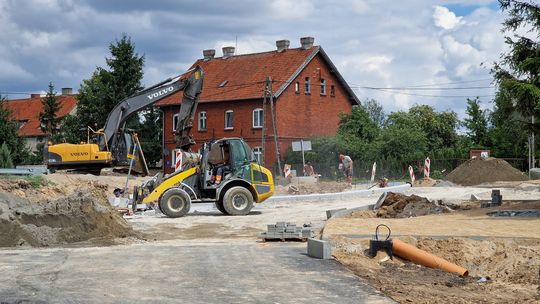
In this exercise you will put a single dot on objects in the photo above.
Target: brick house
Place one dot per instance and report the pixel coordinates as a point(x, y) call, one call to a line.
point(309, 95)
point(26, 113)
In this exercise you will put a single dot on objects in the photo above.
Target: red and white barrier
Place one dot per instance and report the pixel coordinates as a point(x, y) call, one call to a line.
point(427, 164)
point(411, 173)
point(373, 170)
point(178, 160)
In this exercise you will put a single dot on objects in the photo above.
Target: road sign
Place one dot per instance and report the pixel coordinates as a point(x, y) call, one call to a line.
point(303, 145)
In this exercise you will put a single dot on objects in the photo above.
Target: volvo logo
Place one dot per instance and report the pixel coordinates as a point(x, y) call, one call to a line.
point(160, 93)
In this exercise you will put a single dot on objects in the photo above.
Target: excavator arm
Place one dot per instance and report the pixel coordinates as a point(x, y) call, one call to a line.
point(113, 131)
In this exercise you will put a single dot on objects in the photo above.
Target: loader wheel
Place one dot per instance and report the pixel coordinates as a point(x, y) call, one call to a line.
point(238, 201)
point(175, 202)
point(219, 206)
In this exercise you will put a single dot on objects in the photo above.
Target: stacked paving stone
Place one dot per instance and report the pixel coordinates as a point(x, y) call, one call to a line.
point(283, 231)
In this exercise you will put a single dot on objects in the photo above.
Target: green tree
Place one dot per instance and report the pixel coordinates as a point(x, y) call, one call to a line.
point(8, 135)
point(5, 157)
point(518, 72)
point(375, 111)
point(508, 136)
point(403, 138)
point(48, 117)
point(476, 122)
point(107, 87)
point(151, 135)
point(439, 128)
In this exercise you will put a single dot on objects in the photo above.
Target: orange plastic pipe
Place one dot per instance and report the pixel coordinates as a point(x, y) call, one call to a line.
point(422, 257)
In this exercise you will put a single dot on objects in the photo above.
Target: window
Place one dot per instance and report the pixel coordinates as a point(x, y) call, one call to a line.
point(224, 83)
point(202, 121)
point(307, 85)
point(297, 87)
point(332, 91)
point(323, 87)
point(258, 118)
point(174, 121)
point(229, 120)
point(257, 151)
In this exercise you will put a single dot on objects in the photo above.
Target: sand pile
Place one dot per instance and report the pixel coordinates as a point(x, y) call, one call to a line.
point(397, 205)
point(477, 171)
point(81, 216)
point(511, 265)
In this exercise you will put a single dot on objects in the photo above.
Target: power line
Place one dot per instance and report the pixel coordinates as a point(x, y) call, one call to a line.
point(422, 89)
point(434, 96)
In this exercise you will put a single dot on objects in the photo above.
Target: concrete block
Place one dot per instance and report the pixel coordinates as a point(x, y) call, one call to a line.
point(319, 249)
point(380, 201)
point(474, 197)
point(330, 213)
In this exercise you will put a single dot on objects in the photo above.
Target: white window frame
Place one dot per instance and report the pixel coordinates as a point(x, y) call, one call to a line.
point(307, 85)
point(297, 87)
point(231, 127)
point(323, 87)
point(202, 121)
point(257, 118)
point(174, 121)
point(257, 152)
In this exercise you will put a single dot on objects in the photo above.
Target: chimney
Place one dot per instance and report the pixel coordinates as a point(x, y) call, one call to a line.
point(209, 54)
point(282, 45)
point(35, 95)
point(228, 51)
point(67, 91)
point(307, 42)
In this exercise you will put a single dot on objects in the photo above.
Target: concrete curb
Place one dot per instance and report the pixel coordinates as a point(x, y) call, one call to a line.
point(337, 196)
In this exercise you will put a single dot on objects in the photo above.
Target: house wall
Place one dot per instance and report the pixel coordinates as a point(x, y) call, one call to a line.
point(32, 142)
point(298, 116)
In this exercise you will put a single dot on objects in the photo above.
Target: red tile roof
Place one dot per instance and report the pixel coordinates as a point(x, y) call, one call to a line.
point(245, 74)
point(28, 110)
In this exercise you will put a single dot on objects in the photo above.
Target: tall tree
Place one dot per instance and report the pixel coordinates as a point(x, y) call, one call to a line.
point(375, 111)
point(476, 122)
point(518, 73)
point(107, 87)
point(8, 135)
point(48, 117)
point(439, 128)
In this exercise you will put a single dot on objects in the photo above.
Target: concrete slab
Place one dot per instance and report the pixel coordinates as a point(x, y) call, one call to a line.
point(319, 249)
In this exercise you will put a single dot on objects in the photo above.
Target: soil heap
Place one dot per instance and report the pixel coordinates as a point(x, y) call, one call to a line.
point(477, 171)
point(81, 216)
point(397, 205)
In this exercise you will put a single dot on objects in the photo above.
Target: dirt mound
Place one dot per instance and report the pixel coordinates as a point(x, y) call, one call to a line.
point(36, 189)
point(477, 171)
point(81, 216)
point(397, 205)
point(510, 264)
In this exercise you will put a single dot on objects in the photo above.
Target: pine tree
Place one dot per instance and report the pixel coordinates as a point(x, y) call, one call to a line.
point(8, 135)
point(48, 118)
point(518, 73)
point(476, 122)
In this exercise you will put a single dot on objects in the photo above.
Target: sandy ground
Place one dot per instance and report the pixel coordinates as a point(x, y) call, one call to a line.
point(207, 225)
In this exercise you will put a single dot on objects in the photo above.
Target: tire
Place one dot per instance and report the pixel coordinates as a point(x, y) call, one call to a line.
point(219, 206)
point(238, 201)
point(175, 202)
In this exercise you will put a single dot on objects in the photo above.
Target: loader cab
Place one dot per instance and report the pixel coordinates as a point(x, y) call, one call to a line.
point(231, 156)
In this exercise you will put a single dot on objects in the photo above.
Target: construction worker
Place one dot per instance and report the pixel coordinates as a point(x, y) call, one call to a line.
point(347, 166)
point(308, 169)
point(219, 158)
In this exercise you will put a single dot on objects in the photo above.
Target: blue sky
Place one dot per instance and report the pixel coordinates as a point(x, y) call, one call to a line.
point(375, 43)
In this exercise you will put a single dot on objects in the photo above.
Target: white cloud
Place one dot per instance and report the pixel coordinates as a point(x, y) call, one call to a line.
point(284, 9)
point(445, 19)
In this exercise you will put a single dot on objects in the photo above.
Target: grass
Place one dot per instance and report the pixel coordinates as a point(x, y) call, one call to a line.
point(36, 181)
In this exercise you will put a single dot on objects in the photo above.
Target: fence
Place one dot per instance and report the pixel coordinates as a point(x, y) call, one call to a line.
point(398, 170)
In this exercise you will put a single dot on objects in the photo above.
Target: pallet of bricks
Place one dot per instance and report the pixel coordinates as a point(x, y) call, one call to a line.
point(286, 231)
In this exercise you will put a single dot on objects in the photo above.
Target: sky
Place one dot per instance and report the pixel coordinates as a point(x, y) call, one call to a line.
point(379, 46)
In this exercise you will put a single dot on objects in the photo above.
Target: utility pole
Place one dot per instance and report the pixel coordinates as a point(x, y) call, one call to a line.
point(263, 145)
point(274, 127)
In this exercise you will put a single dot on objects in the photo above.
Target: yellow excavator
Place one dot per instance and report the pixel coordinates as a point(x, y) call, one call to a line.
point(112, 145)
